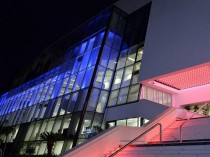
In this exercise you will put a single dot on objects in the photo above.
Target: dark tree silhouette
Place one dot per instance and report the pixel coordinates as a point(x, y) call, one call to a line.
point(50, 138)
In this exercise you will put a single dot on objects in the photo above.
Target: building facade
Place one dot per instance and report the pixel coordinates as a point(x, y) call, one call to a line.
point(123, 67)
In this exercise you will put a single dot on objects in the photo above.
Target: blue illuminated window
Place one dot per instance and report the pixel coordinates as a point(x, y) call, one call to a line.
point(85, 61)
point(105, 56)
point(77, 63)
point(117, 42)
point(82, 49)
point(93, 57)
point(78, 82)
point(99, 39)
point(87, 78)
point(90, 44)
point(110, 38)
point(56, 88)
point(99, 76)
point(70, 83)
point(93, 99)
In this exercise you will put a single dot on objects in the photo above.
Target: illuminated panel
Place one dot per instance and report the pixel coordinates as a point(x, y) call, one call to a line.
point(187, 79)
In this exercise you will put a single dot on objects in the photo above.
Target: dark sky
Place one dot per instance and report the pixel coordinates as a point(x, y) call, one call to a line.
point(29, 26)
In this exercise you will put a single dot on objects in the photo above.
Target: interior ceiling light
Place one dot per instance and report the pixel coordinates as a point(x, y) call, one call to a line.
point(187, 79)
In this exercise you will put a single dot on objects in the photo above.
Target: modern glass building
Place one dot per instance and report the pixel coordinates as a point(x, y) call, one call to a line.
point(124, 67)
point(99, 69)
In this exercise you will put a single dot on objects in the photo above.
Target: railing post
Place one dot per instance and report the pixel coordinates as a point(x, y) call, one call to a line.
point(180, 128)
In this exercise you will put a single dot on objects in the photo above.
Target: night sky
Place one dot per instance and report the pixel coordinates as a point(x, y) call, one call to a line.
point(27, 27)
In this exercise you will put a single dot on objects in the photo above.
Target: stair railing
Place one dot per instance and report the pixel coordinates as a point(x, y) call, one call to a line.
point(135, 139)
point(180, 128)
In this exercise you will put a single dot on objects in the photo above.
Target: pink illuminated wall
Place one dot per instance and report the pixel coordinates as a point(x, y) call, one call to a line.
point(192, 95)
point(187, 86)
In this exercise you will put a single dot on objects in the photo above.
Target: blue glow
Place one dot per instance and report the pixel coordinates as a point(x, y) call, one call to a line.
point(99, 39)
point(93, 57)
point(82, 49)
point(48, 85)
point(85, 61)
point(87, 78)
point(90, 44)
point(110, 39)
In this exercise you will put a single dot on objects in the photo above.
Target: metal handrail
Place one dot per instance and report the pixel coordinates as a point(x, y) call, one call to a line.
point(180, 128)
point(115, 153)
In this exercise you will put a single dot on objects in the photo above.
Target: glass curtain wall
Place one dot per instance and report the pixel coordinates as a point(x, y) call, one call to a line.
point(125, 85)
point(54, 101)
point(103, 77)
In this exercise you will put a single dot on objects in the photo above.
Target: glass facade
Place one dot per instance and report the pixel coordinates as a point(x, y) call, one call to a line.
point(134, 122)
point(100, 70)
point(156, 96)
point(125, 86)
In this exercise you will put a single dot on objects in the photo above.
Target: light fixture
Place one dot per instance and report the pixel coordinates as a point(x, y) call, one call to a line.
point(131, 59)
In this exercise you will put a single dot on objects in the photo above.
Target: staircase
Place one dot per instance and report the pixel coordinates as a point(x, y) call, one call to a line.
point(196, 138)
point(196, 141)
point(194, 129)
point(194, 149)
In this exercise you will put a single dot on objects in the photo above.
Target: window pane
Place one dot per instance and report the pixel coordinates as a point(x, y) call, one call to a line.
point(80, 102)
point(77, 63)
point(87, 78)
point(50, 124)
point(78, 82)
point(117, 42)
point(110, 39)
point(121, 122)
point(70, 83)
point(105, 56)
point(93, 99)
point(99, 76)
point(90, 44)
point(113, 59)
point(63, 86)
point(122, 59)
point(75, 51)
point(57, 105)
point(139, 54)
point(82, 48)
point(127, 76)
point(133, 93)
point(70, 66)
point(93, 57)
point(131, 59)
point(122, 95)
point(160, 94)
point(65, 125)
point(102, 102)
point(72, 102)
point(85, 61)
point(57, 125)
point(113, 98)
point(64, 105)
point(118, 79)
point(99, 39)
point(132, 122)
point(107, 79)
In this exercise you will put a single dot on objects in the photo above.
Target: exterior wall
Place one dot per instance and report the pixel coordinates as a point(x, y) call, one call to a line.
point(177, 37)
point(145, 108)
point(192, 96)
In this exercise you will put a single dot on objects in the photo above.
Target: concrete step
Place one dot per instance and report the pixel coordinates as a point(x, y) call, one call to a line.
point(180, 150)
